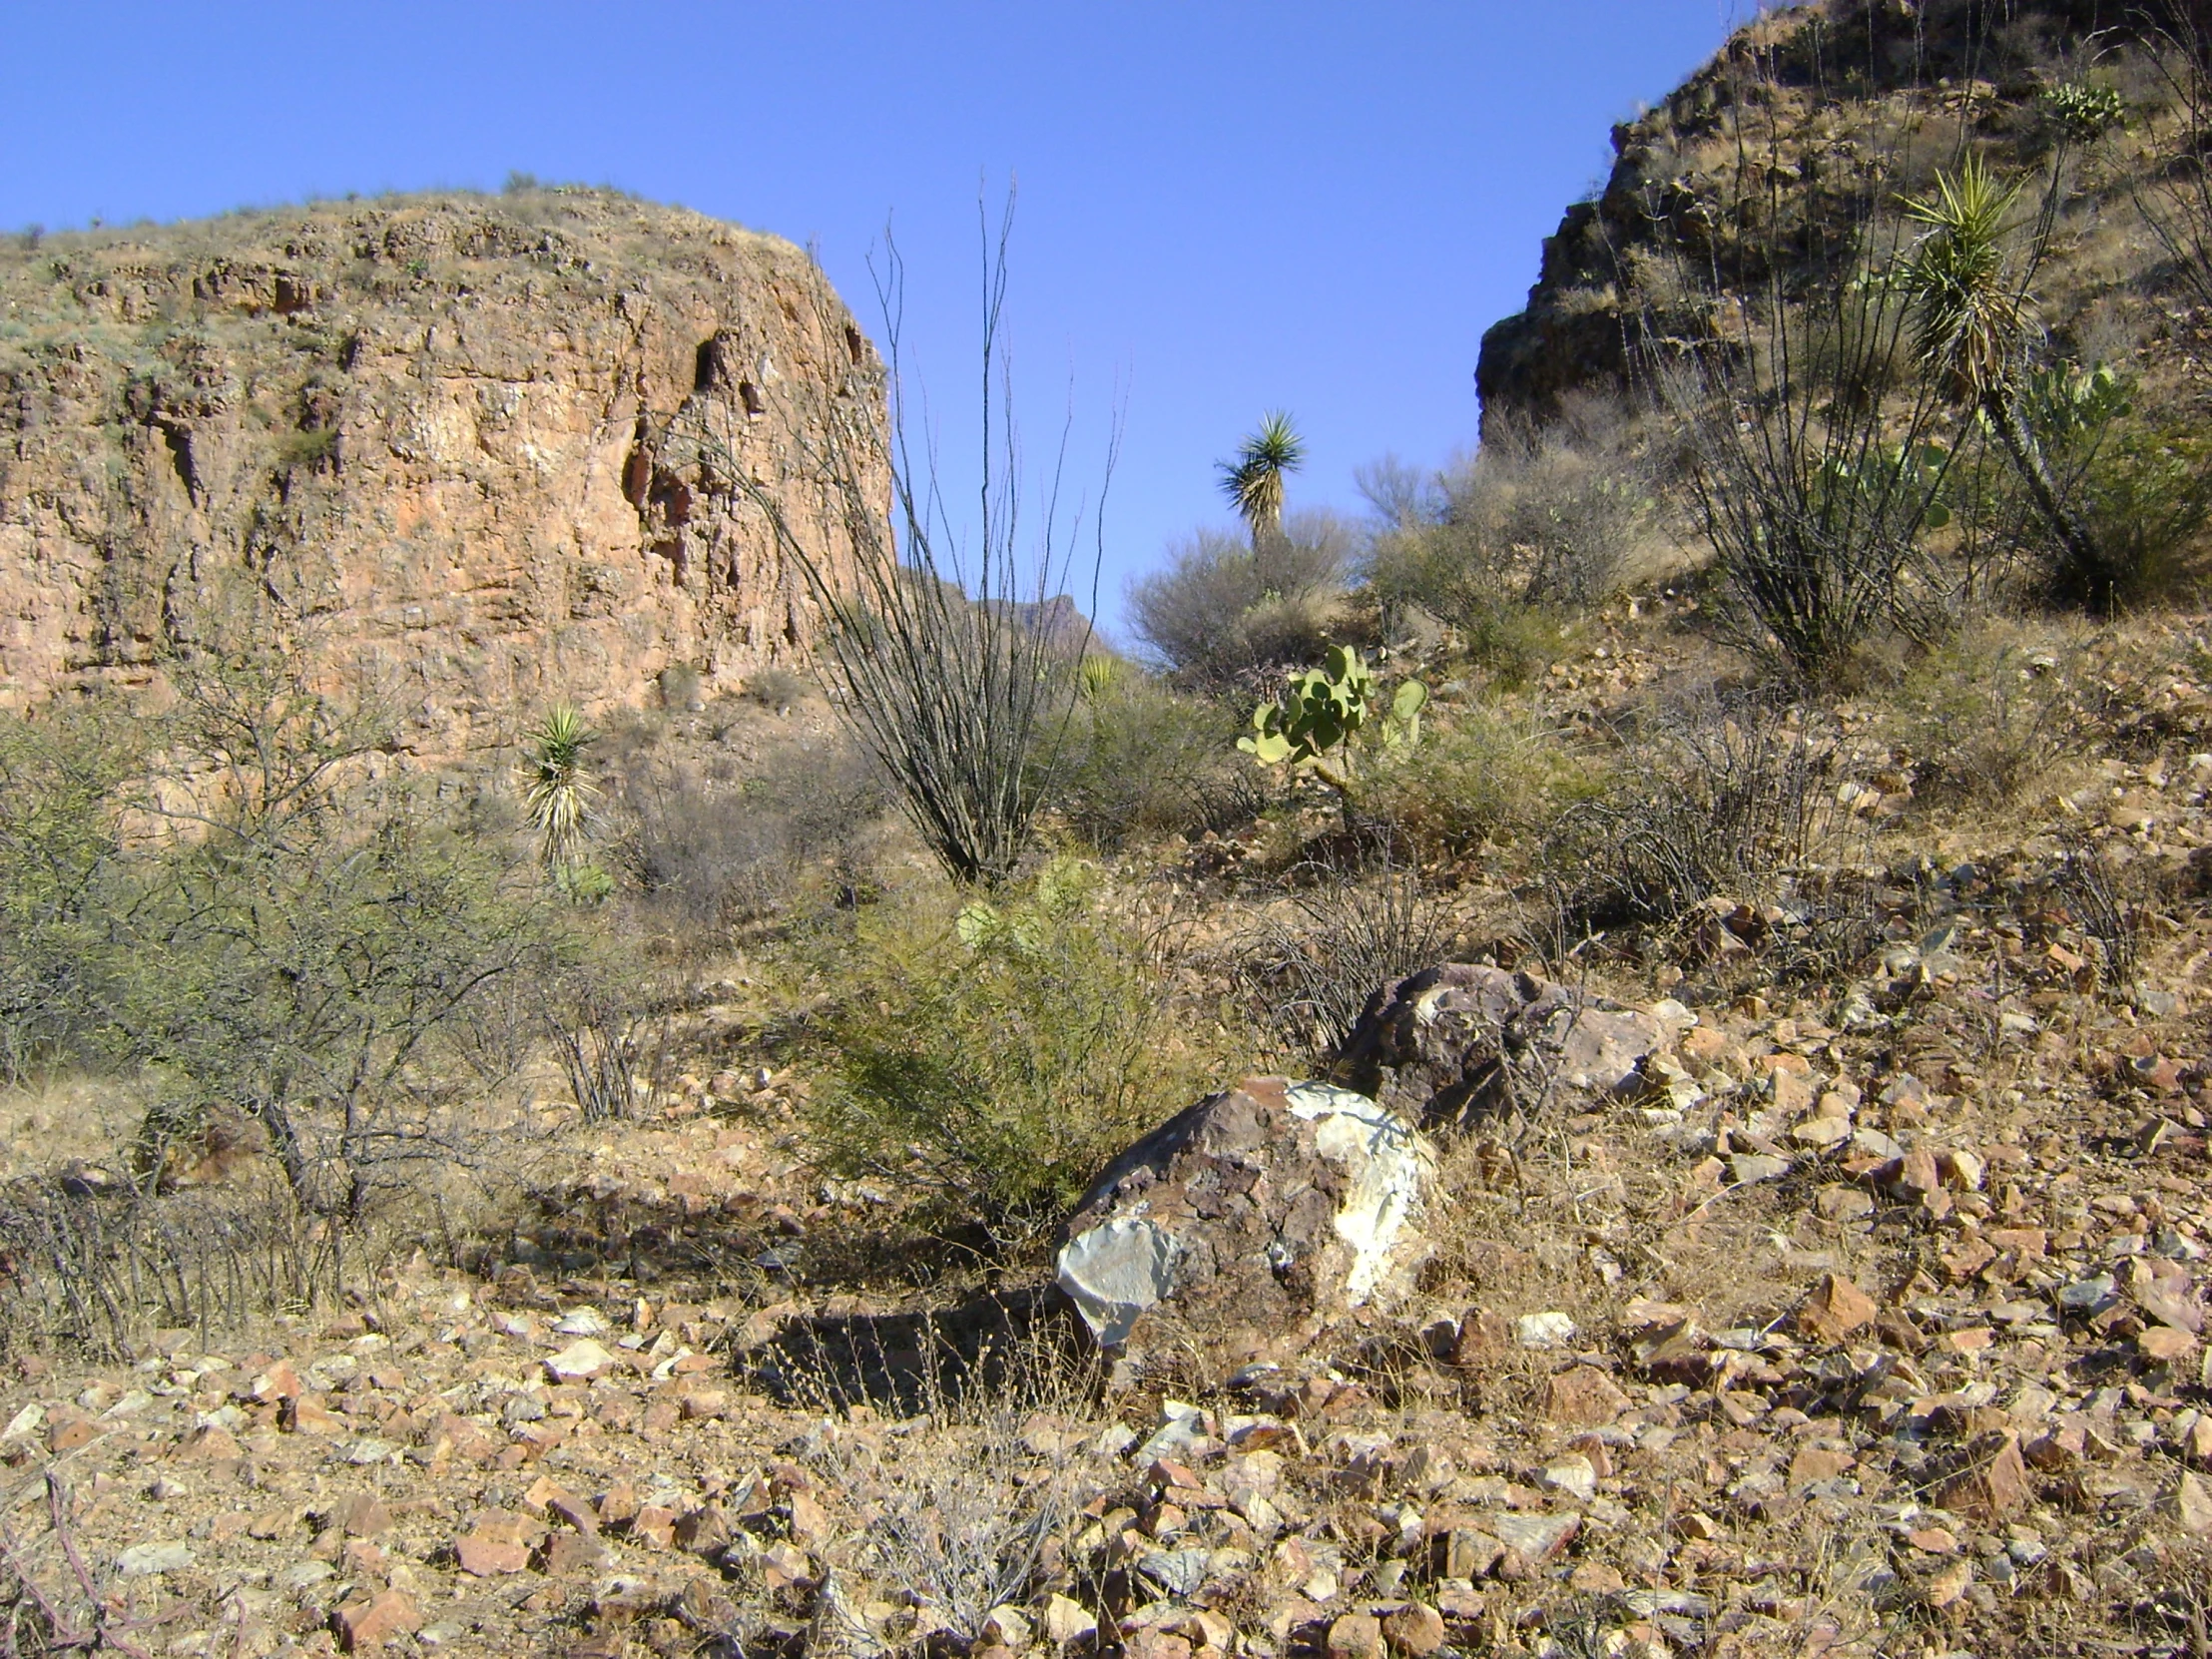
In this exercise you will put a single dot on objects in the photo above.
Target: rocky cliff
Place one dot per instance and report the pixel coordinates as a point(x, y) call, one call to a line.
point(1825, 89)
point(439, 427)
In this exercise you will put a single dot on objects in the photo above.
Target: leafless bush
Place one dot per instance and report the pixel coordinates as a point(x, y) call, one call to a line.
point(608, 1044)
point(953, 671)
point(971, 1488)
point(1713, 798)
point(1351, 921)
point(712, 854)
point(1543, 515)
point(96, 1263)
point(2090, 889)
point(1223, 610)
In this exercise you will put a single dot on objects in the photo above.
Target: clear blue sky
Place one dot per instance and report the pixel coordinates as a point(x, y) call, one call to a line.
point(1225, 206)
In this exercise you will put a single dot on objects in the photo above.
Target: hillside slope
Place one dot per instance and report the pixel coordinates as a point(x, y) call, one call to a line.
point(438, 424)
point(1842, 96)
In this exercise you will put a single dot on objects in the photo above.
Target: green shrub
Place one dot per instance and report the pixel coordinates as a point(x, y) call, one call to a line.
point(992, 1059)
point(1480, 775)
point(64, 781)
point(2146, 496)
point(1987, 715)
point(1222, 610)
point(1139, 758)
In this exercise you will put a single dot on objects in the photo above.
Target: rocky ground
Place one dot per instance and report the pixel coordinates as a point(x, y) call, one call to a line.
point(1850, 1317)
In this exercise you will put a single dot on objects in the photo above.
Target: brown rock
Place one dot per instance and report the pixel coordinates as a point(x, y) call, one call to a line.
point(1226, 1233)
point(483, 1556)
point(369, 1622)
point(703, 1532)
point(1414, 1629)
point(513, 490)
point(279, 1381)
point(362, 1516)
point(1147, 1642)
point(1994, 1483)
point(69, 1434)
point(567, 1553)
point(2192, 1506)
point(1814, 1464)
point(213, 1443)
point(618, 1504)
point(2165, 1342)
point(1584, 1398)
point(306, 1414)
point(1355, 1636)
point(1834, 1310)
point(1465, 1552)
point(1465, 1042)
point(655, 1526)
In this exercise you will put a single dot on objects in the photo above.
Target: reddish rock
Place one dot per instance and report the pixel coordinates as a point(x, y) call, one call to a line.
point(369, 1622)
point(1834, 1310)
point(567, 1553)
point(483, 1556)
point(279, 1381)
point(1584, 1398)
point(362, 1516)
point(655, 1526)
point(70, 1433)
point(217, 1445)
point(1416, 1630)
point(1812, 1465)
point(1994, 1483)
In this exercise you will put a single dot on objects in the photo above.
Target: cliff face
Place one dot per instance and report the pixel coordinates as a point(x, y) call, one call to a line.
point(439, 427)
point(1825, 89)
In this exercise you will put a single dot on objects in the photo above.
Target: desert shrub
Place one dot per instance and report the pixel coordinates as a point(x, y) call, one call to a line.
point(1349, 922)
point(1141, 758)
point(98, 1266)
point(351, 988)
point(992, 1058)
point(775, 687)
point(2146, 499)
point(64, 787)
point(1481, 775)
point(1224, 609)
point(708, 856)
point(1710, 798)
point(1987, 715)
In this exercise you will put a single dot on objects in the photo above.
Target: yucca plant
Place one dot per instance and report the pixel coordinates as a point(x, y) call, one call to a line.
point(1975, 334)
point(557, 795)
point(1254, 480)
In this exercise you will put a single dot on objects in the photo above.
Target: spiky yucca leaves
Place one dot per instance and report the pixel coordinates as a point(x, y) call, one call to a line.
point(1975, 333)
point(1971, 322)
point(557, 795)
point(1254, 480)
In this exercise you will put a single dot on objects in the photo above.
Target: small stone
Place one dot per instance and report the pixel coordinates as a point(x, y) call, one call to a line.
point(1574, 1474)
point(70, 1433)
point(1537, 1538)
point(2163, 1343)
point(145, 1560)
point(1834, 1310)
point(482, 1556)
point(1355, 1636)
point(1934, 1540)
point(218, 1445)
point(1416, 1630)
point(1992, 1485)
point(1583, 1398)
point(1465, 1552)
point(700, 1403)
point(568, 1552)
point(2192, 1506)
point(1747, 1169)
point(1067, 1621)
point(370, 1621)
point(1812, 1465)
point(362, 1516)
point(1549, 1330)
point(279, 1381)
point(579, 1361)
point(703, 1532)
point(1950, 1584)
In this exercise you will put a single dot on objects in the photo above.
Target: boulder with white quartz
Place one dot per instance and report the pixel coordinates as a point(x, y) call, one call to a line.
point(1465, 1042)
point(1247, 1224)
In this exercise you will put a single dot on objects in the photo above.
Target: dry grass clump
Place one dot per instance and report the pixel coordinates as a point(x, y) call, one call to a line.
point(1483, 774)
point(1989, 715)
point(1225, 610)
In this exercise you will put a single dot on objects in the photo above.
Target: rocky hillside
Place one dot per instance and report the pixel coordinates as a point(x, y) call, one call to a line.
point(1841, 95)
point(438, 424)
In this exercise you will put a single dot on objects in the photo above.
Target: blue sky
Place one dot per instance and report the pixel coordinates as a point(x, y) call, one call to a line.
point(1224, 207)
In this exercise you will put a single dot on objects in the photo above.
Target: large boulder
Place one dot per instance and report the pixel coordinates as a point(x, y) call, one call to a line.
point(1242, 1228)
point(1457, 1044)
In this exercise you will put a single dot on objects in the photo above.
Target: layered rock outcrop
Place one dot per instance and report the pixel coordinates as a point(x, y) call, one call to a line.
point(441, 428)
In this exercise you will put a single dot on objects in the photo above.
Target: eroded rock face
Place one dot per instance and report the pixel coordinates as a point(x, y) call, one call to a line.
point(1249, 1222)
point(1457, 1044)
point(444, 422)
